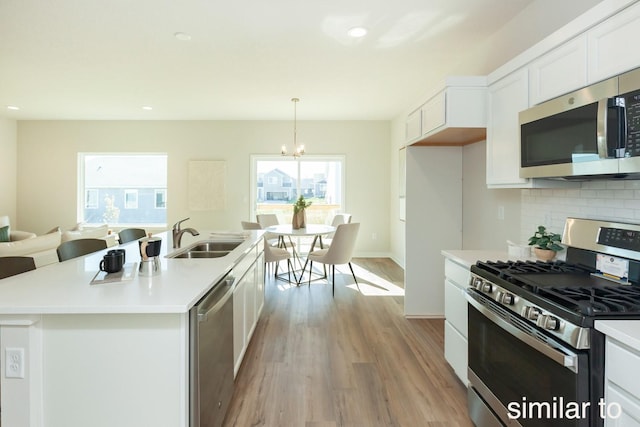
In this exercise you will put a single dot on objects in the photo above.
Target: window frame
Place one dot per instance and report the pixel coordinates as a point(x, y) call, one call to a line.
point(253, 179)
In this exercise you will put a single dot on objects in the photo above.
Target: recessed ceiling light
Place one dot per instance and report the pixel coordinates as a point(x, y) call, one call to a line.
point(182, 36)
point(357, 32)
point(12, 107)
point(147, 108)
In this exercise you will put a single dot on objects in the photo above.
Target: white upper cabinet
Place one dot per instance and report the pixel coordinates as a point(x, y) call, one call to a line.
point(413, 126)
point(560, 71)
point(434, 113)
point(456, 115)
point(612, 45)
point(507, 97)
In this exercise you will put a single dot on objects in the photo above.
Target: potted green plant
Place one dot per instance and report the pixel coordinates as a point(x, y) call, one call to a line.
point(545, 243)
point(299, 214)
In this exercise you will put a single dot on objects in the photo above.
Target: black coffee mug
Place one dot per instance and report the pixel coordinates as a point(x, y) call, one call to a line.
point(119, 251)
point(112, 262)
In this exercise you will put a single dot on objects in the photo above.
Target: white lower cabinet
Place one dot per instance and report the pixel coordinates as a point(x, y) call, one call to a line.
point(455, 351)
point(622, 385)
point(248, 300)
point(455, 311)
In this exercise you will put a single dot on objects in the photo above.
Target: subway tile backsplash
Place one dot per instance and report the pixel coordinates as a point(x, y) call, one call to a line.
point(608, 200)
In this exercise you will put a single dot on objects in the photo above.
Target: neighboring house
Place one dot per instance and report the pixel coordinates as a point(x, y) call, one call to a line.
point(277, 186)
point(125, 206)
point(125, 189)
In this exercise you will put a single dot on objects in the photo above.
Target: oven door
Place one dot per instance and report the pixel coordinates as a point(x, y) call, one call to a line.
point(519, 376)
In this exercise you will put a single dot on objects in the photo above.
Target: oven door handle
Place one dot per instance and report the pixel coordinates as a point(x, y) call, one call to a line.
point(569, 361)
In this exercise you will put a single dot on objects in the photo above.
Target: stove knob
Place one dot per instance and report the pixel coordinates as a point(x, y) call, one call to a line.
point(487, 287)
point(531, 313)
point(476, 283)
point(548, 322)
point(505, 298)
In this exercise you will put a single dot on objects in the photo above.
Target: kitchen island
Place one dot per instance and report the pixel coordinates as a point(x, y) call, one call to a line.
point(109, 354)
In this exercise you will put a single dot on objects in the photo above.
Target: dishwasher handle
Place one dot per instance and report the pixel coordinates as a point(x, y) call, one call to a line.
point(216, 298)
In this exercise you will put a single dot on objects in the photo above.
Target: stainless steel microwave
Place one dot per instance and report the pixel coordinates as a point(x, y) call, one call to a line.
point(587, 134)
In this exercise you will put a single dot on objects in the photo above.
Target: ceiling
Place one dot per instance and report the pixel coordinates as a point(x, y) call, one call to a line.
point(246, 59)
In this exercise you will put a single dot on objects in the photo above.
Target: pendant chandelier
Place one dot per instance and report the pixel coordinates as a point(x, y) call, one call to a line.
point(297, 150)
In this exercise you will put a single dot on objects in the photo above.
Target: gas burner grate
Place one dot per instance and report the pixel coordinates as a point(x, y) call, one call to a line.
point(507, 269)
point(592, 301)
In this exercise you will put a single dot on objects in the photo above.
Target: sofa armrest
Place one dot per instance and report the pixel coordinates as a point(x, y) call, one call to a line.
point(16, 235)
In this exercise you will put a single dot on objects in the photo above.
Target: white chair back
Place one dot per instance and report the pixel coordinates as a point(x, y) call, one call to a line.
point(342, 245)
point(267, 220)
point(248, 225)
point(342, 218)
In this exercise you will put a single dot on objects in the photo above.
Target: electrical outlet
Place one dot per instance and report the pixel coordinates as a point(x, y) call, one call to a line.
point(500, 212)
point(374, 236)
point(14, 363)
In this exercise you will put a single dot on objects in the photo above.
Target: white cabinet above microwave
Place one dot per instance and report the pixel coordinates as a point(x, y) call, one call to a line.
point(456, 115)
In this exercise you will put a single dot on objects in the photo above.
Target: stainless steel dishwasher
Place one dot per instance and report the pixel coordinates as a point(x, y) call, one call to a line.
point(211, 355)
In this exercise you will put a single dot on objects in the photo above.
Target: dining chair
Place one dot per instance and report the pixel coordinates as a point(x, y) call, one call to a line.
point(275, 255)
point(338, 219)
point(12, 265)
point(267, 220)
point(75, 248)
point(340, 252)
point(248, 225)
point(130, 234)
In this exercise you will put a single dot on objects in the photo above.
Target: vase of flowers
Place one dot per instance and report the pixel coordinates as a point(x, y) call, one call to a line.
point(299, 215)
point(545, 243)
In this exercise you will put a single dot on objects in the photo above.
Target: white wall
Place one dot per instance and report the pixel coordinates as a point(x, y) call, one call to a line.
point(482, 228)
point(47, 166)
point(8, 169)
point(397, 227)
point(434, 223)
point(537, 21)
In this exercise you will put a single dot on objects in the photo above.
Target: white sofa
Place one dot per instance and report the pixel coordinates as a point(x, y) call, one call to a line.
point(14, 235)
point(82, 232)
point(43, 248)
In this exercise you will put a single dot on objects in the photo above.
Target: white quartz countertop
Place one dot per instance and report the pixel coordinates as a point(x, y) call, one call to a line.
point(625, 331)
point(65, 287)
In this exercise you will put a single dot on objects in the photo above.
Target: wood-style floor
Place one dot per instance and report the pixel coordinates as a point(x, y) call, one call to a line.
point(352, 360)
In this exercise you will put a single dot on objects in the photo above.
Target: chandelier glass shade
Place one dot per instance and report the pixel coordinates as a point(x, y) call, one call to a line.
point(298, 150)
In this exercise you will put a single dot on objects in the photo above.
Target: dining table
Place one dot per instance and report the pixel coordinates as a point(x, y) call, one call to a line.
point(311, 230)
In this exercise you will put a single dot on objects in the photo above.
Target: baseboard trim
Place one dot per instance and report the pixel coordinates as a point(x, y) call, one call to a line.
point(372, 255)
point(424, 316)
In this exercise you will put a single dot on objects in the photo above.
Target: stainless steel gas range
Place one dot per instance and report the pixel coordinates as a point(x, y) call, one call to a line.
point(535, 358)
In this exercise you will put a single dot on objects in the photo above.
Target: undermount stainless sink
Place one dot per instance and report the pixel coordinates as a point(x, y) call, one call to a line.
point(206, 249)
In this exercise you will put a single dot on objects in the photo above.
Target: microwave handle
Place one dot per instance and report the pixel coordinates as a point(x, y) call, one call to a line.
point(604, 108)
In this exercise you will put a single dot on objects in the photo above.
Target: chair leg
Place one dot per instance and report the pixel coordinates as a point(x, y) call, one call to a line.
point(333, 280)
point(310, 270)
point(304, 267)
point(275, 273)
point(354, 276)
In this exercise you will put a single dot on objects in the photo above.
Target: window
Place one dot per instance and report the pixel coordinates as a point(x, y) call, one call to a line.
point(91, 199)
point(123, 189)
point(131, 199)
point(277, 182)
point(161, 199)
